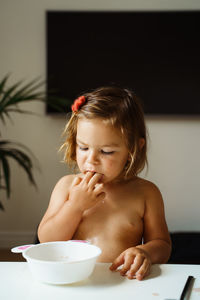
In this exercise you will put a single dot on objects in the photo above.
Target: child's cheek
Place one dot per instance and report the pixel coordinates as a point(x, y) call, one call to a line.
point(110, 164)
point(79, 158)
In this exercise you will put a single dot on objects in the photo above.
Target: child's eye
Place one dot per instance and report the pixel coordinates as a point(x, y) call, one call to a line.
point(107, 152)
point(83, 148)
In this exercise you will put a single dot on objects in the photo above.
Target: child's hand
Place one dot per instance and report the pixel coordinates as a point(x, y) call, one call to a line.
point(86, 192)
point(136, 263)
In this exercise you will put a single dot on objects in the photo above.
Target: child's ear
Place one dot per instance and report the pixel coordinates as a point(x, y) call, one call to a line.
point(141, 143)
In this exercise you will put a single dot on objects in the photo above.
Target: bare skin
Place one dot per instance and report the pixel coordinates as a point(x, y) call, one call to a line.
point(114, 215)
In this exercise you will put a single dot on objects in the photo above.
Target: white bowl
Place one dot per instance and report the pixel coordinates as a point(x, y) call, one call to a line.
point(62, 262)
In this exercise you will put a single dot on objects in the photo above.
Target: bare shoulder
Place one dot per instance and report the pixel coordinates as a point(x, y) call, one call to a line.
point(148, 190)
point(65, 181)
point(60, 193)
point(146, 185)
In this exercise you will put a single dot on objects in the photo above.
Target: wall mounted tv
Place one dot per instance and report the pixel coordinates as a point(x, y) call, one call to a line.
point(156, 54)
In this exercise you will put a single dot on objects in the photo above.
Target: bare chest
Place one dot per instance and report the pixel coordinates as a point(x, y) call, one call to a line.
point(116, 223)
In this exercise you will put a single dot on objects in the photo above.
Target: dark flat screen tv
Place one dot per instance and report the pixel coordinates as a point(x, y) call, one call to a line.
point(156, 54)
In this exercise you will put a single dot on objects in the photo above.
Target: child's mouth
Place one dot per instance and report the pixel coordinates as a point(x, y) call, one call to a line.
point(94, 172)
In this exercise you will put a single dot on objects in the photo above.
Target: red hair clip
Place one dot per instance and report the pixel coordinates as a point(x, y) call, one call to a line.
point(78, 103)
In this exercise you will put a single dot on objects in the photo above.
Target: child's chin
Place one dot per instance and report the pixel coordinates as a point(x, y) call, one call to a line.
point(105, 179)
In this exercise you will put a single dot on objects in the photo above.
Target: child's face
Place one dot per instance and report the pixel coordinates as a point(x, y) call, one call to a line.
point(100, 148)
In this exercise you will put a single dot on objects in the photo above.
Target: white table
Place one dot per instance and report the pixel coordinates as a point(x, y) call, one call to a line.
point(165, 281)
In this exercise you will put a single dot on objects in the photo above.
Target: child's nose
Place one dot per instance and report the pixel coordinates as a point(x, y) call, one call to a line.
point(93, 157)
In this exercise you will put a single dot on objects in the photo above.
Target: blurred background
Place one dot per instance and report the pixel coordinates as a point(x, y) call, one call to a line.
point(174, 142)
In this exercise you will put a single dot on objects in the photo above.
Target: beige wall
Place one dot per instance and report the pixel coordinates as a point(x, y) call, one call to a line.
point(174, 148)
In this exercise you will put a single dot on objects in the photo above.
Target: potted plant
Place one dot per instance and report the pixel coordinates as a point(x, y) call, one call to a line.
point(10, 99)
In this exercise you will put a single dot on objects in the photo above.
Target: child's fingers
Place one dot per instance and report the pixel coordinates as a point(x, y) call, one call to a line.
point(87, 177)
point(144, 270)
point(140, 269)
point(128, 260)
point(117, 262)
point(98, 188)
point(138, 261)
point(76, 181)
point(94, 180)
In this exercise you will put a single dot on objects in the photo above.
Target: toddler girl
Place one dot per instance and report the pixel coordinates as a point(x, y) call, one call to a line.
point(107, 203)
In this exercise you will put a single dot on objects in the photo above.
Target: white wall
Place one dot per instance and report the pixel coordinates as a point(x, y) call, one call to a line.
point(174, 148)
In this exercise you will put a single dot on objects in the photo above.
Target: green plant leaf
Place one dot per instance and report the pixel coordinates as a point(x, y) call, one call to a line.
point(3, 83)
point(7, 95)
point(6, 172)
point(1, 206)
point(24, 159)
point(33, 85)
point(10, 99)
point(22, 93)
point(18, 93)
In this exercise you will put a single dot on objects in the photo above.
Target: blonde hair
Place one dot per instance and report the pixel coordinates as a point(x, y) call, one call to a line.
point(123, 110)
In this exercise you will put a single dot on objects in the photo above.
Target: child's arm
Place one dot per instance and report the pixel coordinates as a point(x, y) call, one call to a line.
point(69, 199)
point(157, 244)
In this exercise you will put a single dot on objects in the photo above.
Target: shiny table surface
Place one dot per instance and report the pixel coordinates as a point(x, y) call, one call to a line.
point(164, 282)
